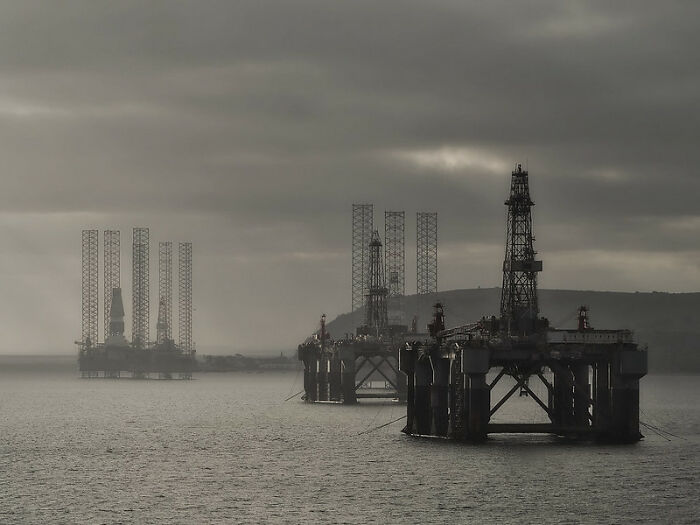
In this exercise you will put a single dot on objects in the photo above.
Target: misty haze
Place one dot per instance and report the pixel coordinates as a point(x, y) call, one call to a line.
point(349, 262)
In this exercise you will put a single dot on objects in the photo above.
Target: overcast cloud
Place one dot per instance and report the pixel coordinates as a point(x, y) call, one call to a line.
point(250, 128)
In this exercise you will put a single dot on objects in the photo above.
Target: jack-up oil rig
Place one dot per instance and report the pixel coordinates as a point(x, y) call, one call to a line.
point(594, 393)
point(115, 356)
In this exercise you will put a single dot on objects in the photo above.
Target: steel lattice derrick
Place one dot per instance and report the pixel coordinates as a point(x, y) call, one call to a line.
point(89, 287)
point(112, 278)
point(165, 291)
point(376, 315)
point(362, 226)
point(519, 307)
point(395, 252)
point(185, 296)
point(140, 287)
point(426, 256)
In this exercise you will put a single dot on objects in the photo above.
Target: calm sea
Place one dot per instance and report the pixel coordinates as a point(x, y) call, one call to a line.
point(225, 448)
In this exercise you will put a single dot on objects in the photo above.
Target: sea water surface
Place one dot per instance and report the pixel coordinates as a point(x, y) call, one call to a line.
point(226, 448)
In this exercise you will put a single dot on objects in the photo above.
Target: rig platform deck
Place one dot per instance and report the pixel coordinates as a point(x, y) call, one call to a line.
point(594, 394)
point(336, 371)
point(137, 363)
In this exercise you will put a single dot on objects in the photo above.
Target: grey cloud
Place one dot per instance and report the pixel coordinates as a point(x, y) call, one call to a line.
point(250, 127)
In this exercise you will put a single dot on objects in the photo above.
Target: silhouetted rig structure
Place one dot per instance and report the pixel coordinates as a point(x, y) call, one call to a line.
point(343, 370)
point(595, 389)
point(332, 368)
point(115, 357)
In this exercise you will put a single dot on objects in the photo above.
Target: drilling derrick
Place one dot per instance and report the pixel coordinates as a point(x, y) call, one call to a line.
point(116, 320)
point(89, 288)
point(165, 292)
point(111, 274)
point(376, 315)
point(519, 308)
point(140, 286)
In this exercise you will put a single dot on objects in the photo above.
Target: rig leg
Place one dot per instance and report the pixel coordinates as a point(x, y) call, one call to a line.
point(312, 386)
point(323, 378)
point(479, 407)
point(460, 420)
point(452, 398)
point(581, 394)
point(563, 396)
point(475, 365)
point(628, 367)
point(407, 364)
point(335, 378)
point(438, 395)
point(347, 355)
point(422, 414)
point(602, 408)
point(401, 385)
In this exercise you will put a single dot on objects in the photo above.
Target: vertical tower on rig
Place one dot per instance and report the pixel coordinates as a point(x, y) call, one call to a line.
point(395, 252)
point(426, 252)
point(112, 277)
point(89, 288)
point(395, 261)
point(519, 308)
point(165, 292)
point(376, 314)
point(140, 288)
point(185, 297)
point(362, 226)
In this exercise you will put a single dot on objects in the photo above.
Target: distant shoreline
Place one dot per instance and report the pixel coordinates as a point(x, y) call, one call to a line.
point(248, 364)
point(206, 363)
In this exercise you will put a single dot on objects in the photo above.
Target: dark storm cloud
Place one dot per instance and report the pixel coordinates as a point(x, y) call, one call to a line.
point(250, 127)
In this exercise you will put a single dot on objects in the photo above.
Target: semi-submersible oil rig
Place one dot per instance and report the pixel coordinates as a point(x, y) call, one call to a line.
point(115, 356)
point(332, 367)
point(594, 393)
point(345, 370)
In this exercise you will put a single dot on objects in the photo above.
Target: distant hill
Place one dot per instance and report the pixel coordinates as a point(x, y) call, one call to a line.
point(669, 323)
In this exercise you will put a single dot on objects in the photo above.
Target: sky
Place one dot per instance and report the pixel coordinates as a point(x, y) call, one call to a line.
point(250, 127)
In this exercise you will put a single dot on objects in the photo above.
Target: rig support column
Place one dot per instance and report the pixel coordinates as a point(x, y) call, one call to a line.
point(602, 407)
point(421, 395)
point(479, 407)
point(323, 377)
point(312, 391)
point(438, 394)
point(347, 356)
point(401, 385)
point(335, 378)
point(581, 394)
point(457, 400)
point(476, 365)
point(407, 364)
point(563, 395)
point(628, 367)
point(310, 359)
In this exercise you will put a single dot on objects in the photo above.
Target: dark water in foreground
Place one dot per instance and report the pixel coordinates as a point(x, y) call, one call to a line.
point(224, 449)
